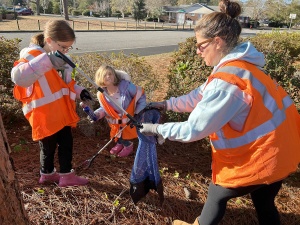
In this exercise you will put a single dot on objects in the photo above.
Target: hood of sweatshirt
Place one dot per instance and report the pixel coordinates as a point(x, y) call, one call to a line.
point(245, 52)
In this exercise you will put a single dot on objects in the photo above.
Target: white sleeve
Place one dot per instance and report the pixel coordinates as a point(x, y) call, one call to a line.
point(25, 74)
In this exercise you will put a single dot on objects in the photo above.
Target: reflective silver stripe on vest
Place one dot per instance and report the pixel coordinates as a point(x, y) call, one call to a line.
point(28, 56)
point(278, 114)
point(47, 99)
point(48, 96)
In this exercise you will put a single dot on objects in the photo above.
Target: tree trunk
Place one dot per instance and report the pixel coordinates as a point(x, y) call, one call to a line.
point(65, 9)
point(38, 7)
point(12, 210)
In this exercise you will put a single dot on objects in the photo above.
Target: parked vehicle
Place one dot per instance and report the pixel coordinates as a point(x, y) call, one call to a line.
point(24, 12)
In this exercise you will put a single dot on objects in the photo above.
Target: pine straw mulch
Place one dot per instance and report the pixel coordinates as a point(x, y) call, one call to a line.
point(106, 199)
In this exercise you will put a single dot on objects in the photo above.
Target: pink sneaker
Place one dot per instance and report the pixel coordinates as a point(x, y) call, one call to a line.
point(126, 151)
point(47, 178)
point(70, 179)
point(115, 150)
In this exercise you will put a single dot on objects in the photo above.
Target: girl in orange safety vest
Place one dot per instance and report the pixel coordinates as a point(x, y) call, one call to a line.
point(253, 124)
point(44, 85)
point(129, 96)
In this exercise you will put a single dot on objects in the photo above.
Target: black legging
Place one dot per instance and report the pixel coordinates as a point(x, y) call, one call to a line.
point(262, 196)
point(64, 140)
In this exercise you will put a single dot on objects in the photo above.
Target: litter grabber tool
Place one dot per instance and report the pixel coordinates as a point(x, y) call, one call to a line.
point(87, 163)
point(67, 60)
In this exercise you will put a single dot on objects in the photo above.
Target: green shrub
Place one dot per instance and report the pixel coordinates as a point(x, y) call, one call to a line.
point(9, 51)
point(76, 12)
point(86, 12)
point(281, 50)
point(140, 72)
point(188, 71)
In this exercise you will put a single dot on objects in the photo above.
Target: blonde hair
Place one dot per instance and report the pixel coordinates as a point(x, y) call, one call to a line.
point(222, 24)
point(57, 30)
point(101, 72)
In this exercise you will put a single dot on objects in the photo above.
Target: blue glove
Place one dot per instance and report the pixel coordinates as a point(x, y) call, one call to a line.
point(149, 129)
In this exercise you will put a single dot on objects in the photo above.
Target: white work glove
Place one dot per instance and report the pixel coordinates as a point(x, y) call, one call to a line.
point(57, 62)
point(158, 105)
point(149, 129)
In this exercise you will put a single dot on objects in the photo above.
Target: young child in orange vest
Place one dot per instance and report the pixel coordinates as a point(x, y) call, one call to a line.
point(128, 96)
point(43, 83)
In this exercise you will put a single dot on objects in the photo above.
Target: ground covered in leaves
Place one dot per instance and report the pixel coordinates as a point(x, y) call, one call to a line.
point(106, 199)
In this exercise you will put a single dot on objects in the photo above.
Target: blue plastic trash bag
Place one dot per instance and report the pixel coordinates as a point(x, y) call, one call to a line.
point(145, 173)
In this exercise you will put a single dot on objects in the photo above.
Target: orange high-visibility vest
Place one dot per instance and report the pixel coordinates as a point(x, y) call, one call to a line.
point(115, 121)
point(267, 148)
point(49, 103)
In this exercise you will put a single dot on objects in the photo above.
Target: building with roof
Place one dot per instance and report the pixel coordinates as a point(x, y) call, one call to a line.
point(189, 14)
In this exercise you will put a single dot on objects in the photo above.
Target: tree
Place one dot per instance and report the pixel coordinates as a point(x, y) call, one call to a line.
point(37, 3)
point(65, 9)
point(154, 7)
point(259, 9)
point(121, 5)
point(276, 10)
point(12, 210)
point(45, 4)
point(100, 6)
point(139, 11)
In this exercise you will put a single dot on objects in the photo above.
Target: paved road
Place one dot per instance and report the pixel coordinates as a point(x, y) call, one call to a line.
point(142, 43)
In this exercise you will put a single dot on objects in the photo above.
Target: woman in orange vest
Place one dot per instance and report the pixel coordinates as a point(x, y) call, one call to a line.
point(128, 96)
point(44, 85)
point(253, 125)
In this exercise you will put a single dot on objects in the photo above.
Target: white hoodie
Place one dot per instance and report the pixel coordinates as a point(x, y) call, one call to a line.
point(216, 105)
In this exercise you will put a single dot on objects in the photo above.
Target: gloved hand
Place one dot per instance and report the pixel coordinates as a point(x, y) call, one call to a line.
point(149, 129)
point(158, 105)
point(160, 139)
point(85, 95)
point(57, 62)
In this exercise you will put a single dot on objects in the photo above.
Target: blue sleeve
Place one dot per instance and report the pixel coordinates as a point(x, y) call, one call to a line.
point(221, 103)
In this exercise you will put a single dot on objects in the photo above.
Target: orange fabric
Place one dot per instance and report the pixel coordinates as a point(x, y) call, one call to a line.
point(129, 132)
point(269, 158)
point(47, 119)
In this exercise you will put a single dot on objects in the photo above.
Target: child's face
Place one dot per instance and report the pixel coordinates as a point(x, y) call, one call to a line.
point(64, 47)
point(109, 78)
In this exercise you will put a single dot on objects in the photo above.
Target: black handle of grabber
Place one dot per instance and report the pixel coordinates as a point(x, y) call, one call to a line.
point(67, 60)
